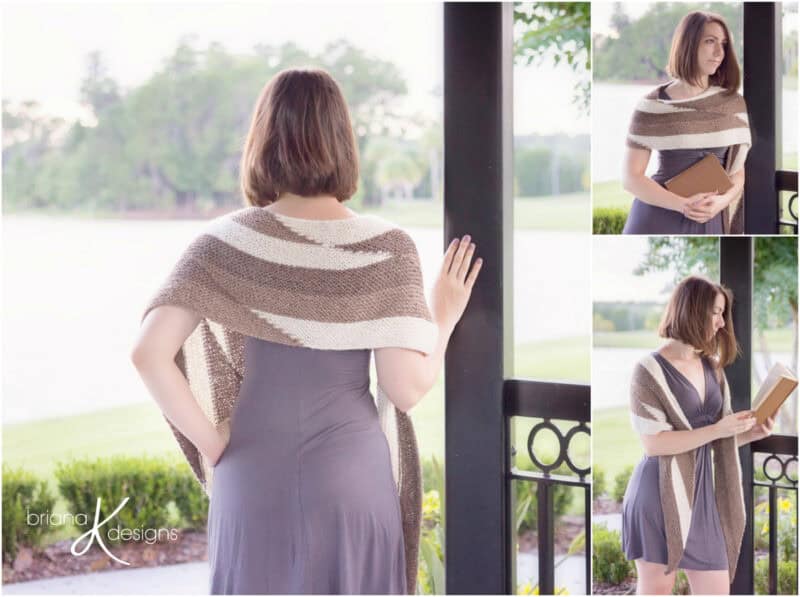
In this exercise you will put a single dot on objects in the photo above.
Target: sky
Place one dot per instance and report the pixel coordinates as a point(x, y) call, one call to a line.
point(614, 259)
point(44, 48)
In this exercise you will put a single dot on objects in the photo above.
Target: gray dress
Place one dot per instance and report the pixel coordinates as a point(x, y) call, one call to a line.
point(643, 531)
point(303, 497)
point(645, 218)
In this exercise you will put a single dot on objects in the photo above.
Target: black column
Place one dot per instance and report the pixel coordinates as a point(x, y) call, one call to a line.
point(478, 46)
point(762, 91)
point(736, 272)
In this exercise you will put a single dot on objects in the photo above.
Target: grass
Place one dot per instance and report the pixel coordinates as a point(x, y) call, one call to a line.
point(556, 212)
point(614, 443)
point(611, 194)
point(777, 340)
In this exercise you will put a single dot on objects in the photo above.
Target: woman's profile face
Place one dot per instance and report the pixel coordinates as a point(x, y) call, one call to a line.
point(711, 51)
point(717, 314)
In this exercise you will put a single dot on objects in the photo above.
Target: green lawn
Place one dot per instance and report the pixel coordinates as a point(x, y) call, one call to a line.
point(777, 340)
point(614, 443)
point(560, 212)
point(610, 194)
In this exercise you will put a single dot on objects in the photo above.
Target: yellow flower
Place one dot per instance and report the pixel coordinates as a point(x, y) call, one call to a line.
point(785, 504)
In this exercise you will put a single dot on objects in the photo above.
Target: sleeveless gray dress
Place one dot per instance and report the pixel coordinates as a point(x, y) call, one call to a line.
point(643, 531)
point(645, 218)
point(303, 497)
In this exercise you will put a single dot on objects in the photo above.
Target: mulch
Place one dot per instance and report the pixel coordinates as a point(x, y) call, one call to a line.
point(606, 505)
point(56, 560)
point(565, 529)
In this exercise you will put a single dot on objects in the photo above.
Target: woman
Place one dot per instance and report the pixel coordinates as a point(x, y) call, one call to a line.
point(257, 350)
point(697, 113)
point(678, 512)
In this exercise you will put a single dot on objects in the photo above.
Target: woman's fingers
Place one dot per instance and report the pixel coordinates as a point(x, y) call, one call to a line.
point(473, 274)
point(459, 256)
point(448, 256)
point(465, 263)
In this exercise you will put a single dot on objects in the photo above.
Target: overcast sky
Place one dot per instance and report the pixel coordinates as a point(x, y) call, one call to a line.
point(45, 45)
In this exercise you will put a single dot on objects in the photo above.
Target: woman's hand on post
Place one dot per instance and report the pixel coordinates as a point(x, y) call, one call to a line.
point(453, 286)
point(735, 423)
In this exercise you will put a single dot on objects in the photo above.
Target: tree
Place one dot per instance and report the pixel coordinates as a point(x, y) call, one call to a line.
point(558, 31)
point(638, 50)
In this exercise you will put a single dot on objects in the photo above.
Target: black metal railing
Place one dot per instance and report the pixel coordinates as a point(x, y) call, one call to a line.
point(550, 402)
point(780, 452)
point(786, 181)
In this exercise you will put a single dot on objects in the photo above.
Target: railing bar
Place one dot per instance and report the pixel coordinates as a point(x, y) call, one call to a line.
point(588, 534)
point(773, 541)
point(544, 516)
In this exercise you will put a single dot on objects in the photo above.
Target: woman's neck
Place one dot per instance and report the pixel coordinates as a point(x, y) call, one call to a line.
point(322, 207)
point(688, 90)
point(682, 351)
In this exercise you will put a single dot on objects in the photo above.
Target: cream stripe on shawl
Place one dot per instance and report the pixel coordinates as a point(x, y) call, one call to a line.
point(693, 140)
point(681, 499)
point(386, 331)
point(330, 233)
point(287, 252)
point(654, 368)
point(388, 419)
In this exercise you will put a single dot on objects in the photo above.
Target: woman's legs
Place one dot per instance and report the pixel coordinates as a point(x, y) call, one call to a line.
point(708, 582)
point(652, 580)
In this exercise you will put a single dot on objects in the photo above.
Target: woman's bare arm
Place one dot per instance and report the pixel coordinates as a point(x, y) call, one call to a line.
point(645, 188)
point(407, 375)
point(161, 335)
point(675, 442)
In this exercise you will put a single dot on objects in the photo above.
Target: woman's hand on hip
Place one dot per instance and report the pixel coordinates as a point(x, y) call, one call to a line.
point(453, 286)
point(735, 423)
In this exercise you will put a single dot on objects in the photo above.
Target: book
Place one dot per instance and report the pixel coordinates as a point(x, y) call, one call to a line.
point(704, 176)
point(778, 385)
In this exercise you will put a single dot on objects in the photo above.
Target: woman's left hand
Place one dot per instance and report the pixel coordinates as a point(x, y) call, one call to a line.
point(705, 209)
point(763, 430)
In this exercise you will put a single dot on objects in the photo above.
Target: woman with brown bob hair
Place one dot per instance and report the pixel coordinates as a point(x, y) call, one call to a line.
point(696, 114)
point(684, 504)
point(257, 349)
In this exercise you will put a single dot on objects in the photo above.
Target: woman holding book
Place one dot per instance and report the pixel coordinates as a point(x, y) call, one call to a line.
point(699, 112)
point(684, 507)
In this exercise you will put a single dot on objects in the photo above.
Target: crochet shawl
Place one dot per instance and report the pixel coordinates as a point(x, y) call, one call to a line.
point(654, 408)
point(343, 284)
point(713, 118)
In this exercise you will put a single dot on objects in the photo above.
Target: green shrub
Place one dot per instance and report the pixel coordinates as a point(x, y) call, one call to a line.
point(621, 483)
point(598, 481)
point(526, 494)
point(681, 586)
point(608, 220)
point(190, 498)
point(608, 560)
point(23, 493)
point(787, 577)
point(430, 576)
point(149, 483)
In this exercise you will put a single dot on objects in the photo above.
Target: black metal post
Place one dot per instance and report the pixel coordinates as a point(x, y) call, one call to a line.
point(762, 91)
point(478, 54)
point(544, 518)
point(773, 540)
point(736, 272)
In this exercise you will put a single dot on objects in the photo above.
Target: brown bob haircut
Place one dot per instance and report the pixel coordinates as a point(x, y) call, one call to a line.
point(683, 53)
point(300, 140)
point(687, 319)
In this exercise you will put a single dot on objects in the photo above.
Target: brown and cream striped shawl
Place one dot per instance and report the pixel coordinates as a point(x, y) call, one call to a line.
point(328, 284)
point(714, 118)
point(654, 408)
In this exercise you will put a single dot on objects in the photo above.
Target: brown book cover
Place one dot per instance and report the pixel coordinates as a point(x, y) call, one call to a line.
point(701, 177)
point(777, 387)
